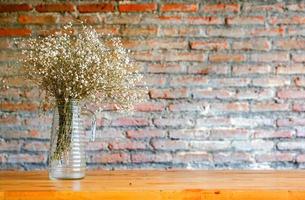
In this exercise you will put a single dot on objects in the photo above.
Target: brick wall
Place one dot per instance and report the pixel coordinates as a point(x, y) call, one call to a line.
point(226, 85)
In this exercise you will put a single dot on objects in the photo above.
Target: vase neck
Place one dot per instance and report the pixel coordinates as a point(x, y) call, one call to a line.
point(72, 104)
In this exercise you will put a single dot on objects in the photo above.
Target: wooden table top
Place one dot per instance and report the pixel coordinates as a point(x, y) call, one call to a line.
point(143, 184)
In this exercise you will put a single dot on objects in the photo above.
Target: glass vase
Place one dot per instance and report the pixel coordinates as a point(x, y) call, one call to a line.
point(67, 158)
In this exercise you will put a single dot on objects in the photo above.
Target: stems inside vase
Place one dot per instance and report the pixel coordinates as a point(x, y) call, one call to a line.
point(65, 113)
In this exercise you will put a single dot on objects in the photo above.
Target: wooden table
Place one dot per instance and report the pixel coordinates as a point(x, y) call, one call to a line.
point(142, 184)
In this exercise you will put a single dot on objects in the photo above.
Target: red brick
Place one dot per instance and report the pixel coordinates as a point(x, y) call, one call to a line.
point(150, 30)
point(252, 7)
point(6, 56)
point(227, 58)
point(12, 145)
point(18, 81)
point(192, 157)
point(300, 132)
point(130, 122)
point(290, 44)
point(166, 68)
point(245, 20)
point(165, 20)
point(105, 134)
point(229, 82)
point(233, 157)
point(15, 7)
point(8, 119)
point(179, 7)
point(110, 158)
point(291, 94)
point(185, 56)
point(55, 7)
point(96, 7)
point(146, 56)
point(189, 134)
point(208, 69)
point(168, 93)
point(288, 20)
point(301, 158)
point(275, 157)
point(231, 133)
point(11, 93)
point(189, 107)
point(36, 146)
point(229, 107)
point(271, 82)
point(203, 20)
point(127, 145)
point(246, 70)
point(298, 107)
point(228, 32)
point(38, 120)
point(290, 69)
point(298, 57)
point(145, 157)
point(7, 106)
point(212, 45)
point(140, 134)
point(181, 31)
point(97, 145)
point(8, 19)
point(108, 30)
point(258, 44)
point(290, 122)
point(296, 7)
point(214, 8)
point(273, 134)
point(145, 7)
point(27, 158)
point(269, 106)
point(149, 107)
point(270, 57)
point(255, 93)
point(213, 93)
point(87, 19)
point(155, 44)
point(187, 80)
point(15, 32)
point(170, 56)
point(47, 32)
point(156, 80)
point(210, 145)
point(126, 19)
point(173, 122)
point(295, 31)
point(169, 145)
point(31, 19)
point(268, 32)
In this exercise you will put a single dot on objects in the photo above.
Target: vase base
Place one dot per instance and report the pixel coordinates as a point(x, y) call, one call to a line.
point(66, 176)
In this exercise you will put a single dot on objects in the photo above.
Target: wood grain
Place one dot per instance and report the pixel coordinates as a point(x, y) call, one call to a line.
point(143, 184)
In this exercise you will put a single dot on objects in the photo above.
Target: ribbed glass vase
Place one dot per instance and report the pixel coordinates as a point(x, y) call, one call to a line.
point(67, 158)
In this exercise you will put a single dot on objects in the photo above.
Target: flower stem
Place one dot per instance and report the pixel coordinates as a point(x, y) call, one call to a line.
point(65, 112)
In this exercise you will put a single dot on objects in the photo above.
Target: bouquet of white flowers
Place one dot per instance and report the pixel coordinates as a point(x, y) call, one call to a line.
point(81, 67)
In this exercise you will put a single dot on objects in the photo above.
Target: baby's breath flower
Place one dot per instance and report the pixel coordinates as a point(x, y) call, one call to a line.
point(83, 67)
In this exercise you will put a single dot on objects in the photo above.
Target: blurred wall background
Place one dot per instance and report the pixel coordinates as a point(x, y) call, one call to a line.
point(226, 84)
